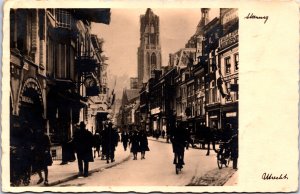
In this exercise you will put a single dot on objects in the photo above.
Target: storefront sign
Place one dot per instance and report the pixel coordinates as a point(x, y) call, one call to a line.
point(27, 100)
point(213, 117)
point(30, 89)
point(229, 39)
point(231, 114)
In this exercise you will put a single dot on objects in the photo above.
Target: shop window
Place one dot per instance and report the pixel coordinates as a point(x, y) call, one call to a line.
point(227, 65)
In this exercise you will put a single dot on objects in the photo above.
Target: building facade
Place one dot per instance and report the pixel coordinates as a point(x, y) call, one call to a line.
point(54, 69)
point(228, 63)
point(201, 84)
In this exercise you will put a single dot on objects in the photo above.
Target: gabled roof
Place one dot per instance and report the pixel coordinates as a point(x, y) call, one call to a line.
point(129, 95)
point(132, 94)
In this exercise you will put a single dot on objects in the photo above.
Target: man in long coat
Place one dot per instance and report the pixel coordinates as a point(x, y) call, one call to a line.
point(83, 143)
point(110, 141)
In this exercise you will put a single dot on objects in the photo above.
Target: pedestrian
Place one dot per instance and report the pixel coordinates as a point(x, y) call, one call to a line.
point(96, 144)
point(83, 143)
point(134, 142)
point(103, 152)
point(143, 143)
point(68, 154)
point(42, 155)
point(163, 133)
point(156, 134)
point(124, 139)
point(110, 140)
point(210, 134)
point(234, 148)
point(21, 155)
point(168, 135)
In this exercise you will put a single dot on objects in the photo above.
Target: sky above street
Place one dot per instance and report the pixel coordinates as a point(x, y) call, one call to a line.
point(122, 37)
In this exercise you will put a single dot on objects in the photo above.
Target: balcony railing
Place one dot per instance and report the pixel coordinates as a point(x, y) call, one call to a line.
point(86, 62)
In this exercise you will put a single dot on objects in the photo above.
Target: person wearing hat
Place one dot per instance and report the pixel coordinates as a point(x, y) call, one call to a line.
point(110, 140)
point(83, 143)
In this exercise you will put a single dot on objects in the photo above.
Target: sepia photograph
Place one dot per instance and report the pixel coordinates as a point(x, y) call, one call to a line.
point(78, 120)
point(118, 97)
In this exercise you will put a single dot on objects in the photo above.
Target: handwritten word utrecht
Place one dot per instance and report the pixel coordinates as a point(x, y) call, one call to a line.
point(270, 176)
point(252, 16)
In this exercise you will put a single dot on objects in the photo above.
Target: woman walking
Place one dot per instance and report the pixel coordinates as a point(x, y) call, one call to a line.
point(143, 144)
point(135, 147)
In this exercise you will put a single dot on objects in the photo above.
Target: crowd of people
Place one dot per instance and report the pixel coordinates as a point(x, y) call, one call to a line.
point(85, 147)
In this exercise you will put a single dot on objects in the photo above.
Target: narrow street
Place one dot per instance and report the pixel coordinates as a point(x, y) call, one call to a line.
point(156, 170)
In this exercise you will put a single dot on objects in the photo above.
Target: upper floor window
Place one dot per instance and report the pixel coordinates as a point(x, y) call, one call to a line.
point(63, 18)
point(227, 65)
point(236, 61)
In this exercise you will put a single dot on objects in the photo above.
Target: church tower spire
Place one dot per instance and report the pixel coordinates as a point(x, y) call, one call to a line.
point(149, 51)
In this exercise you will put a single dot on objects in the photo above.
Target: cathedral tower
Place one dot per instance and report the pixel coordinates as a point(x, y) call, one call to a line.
point(204, 20)
point(149, 51)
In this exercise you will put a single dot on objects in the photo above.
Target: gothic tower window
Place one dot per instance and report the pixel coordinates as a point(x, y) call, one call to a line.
point(148, 59)
point(153, 60)
point(152, 29)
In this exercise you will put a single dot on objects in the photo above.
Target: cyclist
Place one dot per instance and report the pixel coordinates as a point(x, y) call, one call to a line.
point(179, 142)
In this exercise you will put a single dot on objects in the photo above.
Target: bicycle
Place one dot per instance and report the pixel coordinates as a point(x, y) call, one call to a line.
point(224, 155)
point(178, 161)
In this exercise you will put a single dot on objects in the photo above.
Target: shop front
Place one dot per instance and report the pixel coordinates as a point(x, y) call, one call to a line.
point(155, 120)
point(214, 118)
point(63, 111)
point(31, 110)
point(230, 115)
point(200, 125)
